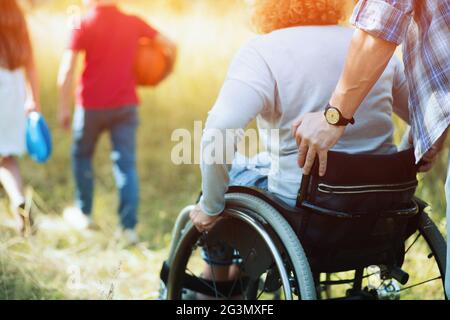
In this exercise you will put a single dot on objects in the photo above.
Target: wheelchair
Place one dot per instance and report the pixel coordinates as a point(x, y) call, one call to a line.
point(358, 233)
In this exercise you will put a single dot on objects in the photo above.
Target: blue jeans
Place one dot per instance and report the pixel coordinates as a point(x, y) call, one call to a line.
point(121, 123)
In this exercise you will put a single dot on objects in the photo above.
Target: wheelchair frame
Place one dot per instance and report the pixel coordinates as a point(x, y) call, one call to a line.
point(239, 201)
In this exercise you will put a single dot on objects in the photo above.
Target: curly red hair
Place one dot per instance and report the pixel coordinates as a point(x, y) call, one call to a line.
point(270, 15)
point(15, 47)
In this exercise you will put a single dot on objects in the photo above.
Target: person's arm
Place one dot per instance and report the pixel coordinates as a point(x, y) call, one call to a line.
point(367, 58)
point(65, 85)
point(170, 49)
point(236, 106)
point(147, 31)
point(382, 25)
point(400, 92)
point(247, 92)
point(366, 61)
point(78, 42)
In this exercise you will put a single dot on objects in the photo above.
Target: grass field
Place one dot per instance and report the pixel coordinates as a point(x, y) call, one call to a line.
point(61, 263)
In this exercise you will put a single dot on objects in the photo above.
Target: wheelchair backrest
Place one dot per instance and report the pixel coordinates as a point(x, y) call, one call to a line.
point(361, 183)
point(358, 213)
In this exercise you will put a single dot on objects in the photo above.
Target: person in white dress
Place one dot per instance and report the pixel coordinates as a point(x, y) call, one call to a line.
point(18, 80)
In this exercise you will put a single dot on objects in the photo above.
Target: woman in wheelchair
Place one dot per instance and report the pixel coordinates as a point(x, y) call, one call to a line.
point(288, 70)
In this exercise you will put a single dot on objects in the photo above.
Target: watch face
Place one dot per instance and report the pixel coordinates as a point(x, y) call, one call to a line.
point(332, 116)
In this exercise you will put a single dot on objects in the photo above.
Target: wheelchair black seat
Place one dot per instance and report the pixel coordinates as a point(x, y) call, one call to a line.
point(358, 214)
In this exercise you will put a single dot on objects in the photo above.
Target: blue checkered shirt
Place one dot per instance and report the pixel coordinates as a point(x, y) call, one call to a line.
point(423, 27)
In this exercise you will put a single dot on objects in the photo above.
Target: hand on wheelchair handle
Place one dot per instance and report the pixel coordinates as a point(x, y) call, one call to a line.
point(314, 136)
point(202, 221)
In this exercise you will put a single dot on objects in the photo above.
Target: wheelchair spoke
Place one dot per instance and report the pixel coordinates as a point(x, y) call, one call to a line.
point(240, 272)
point(260, 294)
point(242, 287)
point(234, 284)
point(413, 243)
point(212, 268)
point(205, 283)
point(420, 283)
point(262, 291)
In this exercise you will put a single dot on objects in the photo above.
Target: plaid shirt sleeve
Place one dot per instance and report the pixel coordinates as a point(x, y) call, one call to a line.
point(385, 19)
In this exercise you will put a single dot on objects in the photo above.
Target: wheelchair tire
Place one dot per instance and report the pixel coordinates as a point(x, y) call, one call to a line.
point(288, 238)
point(435, 241)
point(256, 209)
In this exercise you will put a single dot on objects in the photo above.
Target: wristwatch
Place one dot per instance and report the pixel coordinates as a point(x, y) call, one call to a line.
point(335, 117)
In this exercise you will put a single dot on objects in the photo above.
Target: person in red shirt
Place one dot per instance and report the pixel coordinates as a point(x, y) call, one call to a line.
point(106, 101)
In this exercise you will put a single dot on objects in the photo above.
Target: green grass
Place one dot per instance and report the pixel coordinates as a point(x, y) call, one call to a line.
point(43, 267)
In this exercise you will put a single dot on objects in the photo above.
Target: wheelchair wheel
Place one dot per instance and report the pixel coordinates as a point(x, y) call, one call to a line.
point(269, 261)
point(425, 262)
point(423, 272)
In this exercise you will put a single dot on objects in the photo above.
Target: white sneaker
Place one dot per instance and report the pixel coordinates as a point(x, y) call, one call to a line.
point(76, 218)
point(131, 236)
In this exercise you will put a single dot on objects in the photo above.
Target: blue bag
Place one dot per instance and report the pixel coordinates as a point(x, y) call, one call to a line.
point(38, 138)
